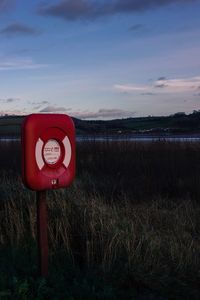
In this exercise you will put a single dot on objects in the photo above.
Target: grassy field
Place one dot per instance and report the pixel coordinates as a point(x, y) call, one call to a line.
point(128, 227)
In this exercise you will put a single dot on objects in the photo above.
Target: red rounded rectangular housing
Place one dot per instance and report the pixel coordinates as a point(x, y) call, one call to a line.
point(48, 151)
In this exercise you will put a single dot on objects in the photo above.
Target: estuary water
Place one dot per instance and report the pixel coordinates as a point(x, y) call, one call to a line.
point(124, 138)
point(140, 138)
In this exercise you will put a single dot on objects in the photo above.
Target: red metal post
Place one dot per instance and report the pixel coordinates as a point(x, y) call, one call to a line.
point(42, 233)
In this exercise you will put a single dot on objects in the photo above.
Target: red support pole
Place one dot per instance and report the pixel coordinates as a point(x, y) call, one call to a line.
point(42, 233)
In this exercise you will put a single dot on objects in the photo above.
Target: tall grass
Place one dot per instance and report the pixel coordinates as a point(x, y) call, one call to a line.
point(141, 171)
point(132, 214)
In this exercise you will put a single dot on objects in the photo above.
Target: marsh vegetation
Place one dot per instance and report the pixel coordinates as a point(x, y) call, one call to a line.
point(128, 227)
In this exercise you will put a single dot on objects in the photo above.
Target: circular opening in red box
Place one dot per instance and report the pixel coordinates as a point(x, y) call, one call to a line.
point(51, 152)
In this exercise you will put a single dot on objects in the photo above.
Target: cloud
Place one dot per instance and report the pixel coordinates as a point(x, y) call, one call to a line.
point(69, 9)
point(40, 102)
point(103, 114)
point(49, 109)
point(88, 115)
point(6, 5)
point(37, 105)
point(130, 88)
point(148, 94)
point(9, 100)
point(88, 10)
point(161, 78)
point(13, 112)
point(162, 85)
point(18, 64)
point(178, 85)
point(16, 29)
point(136, 27)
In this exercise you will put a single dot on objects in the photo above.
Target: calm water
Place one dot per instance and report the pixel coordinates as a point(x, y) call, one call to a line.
point(143, 138)
point(121, 138)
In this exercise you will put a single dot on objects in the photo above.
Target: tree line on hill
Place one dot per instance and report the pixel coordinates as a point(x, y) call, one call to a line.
point(178, 123)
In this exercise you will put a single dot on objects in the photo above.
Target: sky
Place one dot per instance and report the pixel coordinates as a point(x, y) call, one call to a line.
point(99, 59)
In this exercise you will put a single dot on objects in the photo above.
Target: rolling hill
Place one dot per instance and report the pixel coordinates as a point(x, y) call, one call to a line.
point(179, 123)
